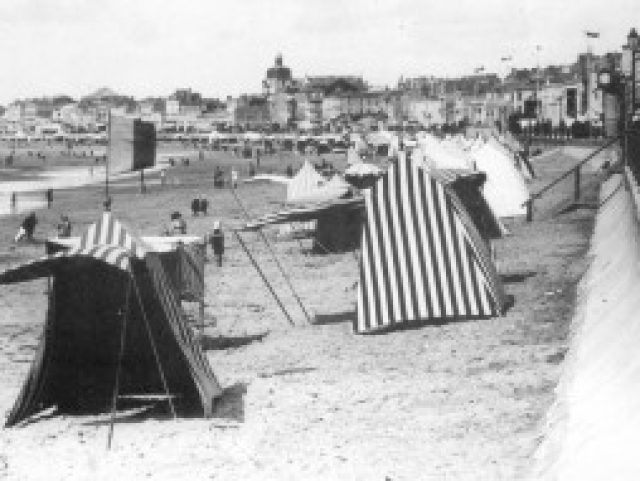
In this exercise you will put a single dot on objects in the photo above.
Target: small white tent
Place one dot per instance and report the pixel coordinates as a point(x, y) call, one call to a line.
point(305, 184)
point(505, 189)
point(434, 155)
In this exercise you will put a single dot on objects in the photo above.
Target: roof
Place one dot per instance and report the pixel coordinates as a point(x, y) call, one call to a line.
point(303, 214)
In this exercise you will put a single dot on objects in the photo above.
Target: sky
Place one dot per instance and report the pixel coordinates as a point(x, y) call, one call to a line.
point(219, 48)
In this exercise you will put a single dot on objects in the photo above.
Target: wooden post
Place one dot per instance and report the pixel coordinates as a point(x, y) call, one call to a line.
point(263, 277)
point(576, 195)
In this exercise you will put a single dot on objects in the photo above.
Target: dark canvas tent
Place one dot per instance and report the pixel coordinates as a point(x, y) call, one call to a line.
point(111, 310)
point(467, 185)
point(182, 257)
point(422, 258)
point(338, 226)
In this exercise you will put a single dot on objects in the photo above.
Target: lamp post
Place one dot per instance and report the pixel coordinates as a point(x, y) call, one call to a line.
point(538, 48)
point(632, 43)
point(631, 147)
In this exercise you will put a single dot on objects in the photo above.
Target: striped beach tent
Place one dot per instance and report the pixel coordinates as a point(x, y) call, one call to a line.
point(106, 240)
point(422, 259)
point(112, 309)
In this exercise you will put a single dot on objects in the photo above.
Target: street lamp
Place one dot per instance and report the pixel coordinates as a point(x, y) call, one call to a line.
point(632, 42)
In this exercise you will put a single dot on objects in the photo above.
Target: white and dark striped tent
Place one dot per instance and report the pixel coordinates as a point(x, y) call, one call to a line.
point(422, 259)
point(112, 309)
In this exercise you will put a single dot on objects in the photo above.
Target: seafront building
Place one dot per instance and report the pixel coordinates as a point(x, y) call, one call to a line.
point(556, 95)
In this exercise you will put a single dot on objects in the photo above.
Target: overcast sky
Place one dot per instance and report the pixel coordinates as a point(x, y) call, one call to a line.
point(219, 48)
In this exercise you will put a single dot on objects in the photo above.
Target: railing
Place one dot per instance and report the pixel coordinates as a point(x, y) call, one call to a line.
point(575, 170)
point(631, 149)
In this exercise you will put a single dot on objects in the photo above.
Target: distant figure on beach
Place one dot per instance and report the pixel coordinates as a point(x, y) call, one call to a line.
point(252, 170)
point(289, 171)
point(163, 177)
point(258, 158)
point(195, 206)
point(64, 227)
point(178, 224)
point(217, 242)
point(204, 205)
point(27, 228)
point(107, 204)
point(234, 178)
point(14, 201)
point(49, 197)
point(218, 177)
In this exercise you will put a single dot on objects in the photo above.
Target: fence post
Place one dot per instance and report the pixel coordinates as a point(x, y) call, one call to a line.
point(577, 184)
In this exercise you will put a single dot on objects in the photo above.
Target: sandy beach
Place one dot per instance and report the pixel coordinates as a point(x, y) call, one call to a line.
point(459, 401)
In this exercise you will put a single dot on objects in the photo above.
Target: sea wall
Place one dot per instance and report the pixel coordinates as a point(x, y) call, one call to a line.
point(592, 431)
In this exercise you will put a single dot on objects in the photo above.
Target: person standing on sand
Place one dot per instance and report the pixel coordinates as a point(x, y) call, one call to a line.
point(195, 206)
point(64, 227)
point(178, 224)
point(217, 242)
point(203, 204)
point(27, 228)
point(234, 178)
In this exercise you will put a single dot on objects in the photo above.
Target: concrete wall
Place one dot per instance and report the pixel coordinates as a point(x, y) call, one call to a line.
point(592, 431)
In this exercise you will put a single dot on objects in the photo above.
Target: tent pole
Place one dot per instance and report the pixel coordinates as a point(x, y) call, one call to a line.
point(275, 258)
point(255, 264)
point(154, 349)
point(116, 385)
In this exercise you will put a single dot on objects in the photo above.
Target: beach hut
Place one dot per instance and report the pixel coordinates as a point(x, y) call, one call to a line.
point(422, 259)
point(115, 331)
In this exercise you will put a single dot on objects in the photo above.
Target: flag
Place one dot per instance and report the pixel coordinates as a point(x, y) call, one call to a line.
point(592, 34)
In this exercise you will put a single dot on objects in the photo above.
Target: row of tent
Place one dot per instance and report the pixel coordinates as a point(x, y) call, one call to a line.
point(423, 256)
point(114, 307)
point(506, 172)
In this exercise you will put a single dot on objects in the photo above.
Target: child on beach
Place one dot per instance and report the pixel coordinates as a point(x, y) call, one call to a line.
point(64, 227)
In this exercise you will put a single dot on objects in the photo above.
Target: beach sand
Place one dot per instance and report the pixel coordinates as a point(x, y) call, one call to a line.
point(456, 401)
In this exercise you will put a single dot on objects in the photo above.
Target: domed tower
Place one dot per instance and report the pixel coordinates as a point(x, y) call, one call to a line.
point(278, 77)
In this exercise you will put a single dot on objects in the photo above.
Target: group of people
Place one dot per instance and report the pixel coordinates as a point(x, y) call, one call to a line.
point(28, 226)
point(215, 239)
point(199, 205)
point(219, 177)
